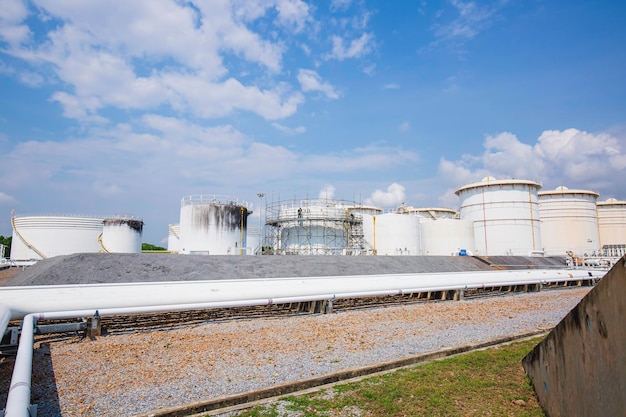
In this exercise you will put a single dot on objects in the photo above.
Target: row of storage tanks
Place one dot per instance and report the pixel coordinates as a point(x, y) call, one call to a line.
point(496, 217)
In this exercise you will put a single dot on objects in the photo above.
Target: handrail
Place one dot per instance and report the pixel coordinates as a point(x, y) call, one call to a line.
point(26, 242)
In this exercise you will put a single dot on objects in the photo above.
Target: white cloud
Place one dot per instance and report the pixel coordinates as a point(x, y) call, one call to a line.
point(356, 48)
point(573, 158)
point(404, 127)
point(289, 130)
point(393, 197)
point(328, 192)
point(12, 31)
point(311, 81)
point(391, 86)
point(141, 55)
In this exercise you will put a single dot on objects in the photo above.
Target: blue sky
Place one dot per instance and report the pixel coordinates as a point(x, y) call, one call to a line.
point(124, 107)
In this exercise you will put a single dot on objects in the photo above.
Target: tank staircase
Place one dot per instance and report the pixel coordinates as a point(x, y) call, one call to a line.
point(356, 237)
point(26, 242)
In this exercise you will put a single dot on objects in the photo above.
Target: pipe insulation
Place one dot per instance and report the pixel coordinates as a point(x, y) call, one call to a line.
point(24, 300)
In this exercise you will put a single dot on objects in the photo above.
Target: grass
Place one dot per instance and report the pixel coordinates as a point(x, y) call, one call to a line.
point(489, 382)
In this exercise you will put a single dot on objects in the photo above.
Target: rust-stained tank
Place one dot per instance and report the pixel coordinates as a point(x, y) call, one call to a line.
point(122, 234)
point(213, 225)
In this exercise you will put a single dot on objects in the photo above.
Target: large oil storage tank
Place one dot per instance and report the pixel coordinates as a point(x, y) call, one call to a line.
point(310, 226)
point(392, 234)
point(173, 238)
point(442, 233)
point(569, 222)
point(612, 226)
point(121, 234)
point(505, 214)
point(213, 225)
point(40, 237)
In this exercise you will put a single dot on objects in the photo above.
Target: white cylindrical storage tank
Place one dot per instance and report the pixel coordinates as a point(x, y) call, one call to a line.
point(569, 222)
point(444, 237)
point(612, 226)
point(313, 227)
point(173, 238)
point(392, 234)
point(121, 235)
point(212, 225)
point(505, 214)
point(39, 237)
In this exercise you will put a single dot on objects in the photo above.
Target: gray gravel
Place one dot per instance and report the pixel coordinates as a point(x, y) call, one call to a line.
point(92, 268)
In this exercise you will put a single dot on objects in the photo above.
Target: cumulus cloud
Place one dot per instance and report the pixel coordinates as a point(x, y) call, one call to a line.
point(140, 55)
point(311, 81)
point(392, 197)
point(571, 157)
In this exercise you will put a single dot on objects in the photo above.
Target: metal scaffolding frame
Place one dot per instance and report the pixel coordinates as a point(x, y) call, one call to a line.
point(313, 227)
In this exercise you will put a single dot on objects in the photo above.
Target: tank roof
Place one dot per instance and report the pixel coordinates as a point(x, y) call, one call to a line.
point(611, 202)
point(493, 182)
point(563, 190)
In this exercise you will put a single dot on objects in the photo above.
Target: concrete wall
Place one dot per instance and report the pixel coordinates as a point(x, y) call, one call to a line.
point(579, 369)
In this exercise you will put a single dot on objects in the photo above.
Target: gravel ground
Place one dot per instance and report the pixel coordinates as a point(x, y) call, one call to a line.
point(126, 374)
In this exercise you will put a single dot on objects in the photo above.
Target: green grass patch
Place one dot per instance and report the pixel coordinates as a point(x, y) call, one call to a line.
point(489, 382)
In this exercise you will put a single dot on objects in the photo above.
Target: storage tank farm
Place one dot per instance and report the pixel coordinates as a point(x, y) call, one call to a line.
point(505, 215)
point(213, 225)
point(569, 222)
point(442, 233)
point(612, 227)
point(45, 236)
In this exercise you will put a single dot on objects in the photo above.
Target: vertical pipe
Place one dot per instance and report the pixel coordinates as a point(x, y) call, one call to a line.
point(374, 218)
point(18, 400)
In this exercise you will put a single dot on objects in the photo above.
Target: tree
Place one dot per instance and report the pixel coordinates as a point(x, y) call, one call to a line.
point(149, 247)
point(6, 241)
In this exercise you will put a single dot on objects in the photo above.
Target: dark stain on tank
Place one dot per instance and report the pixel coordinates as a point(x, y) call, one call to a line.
point(136, 225)
point(223, 217)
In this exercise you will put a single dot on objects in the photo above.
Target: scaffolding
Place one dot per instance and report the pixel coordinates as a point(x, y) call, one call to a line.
point(314, 227)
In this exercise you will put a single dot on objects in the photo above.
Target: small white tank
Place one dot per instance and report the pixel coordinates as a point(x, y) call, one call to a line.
point(392, 234)
point(173, 238)
point(505, 214)
point(39, 237)
point(612, 222)
point(121, 235)
point(569, 222)
point(212, 225)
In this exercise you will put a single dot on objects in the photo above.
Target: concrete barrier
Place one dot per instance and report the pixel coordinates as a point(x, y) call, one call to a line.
point(579, 369)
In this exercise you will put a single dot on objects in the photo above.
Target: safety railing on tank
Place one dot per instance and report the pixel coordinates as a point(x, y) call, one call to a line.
point(214, 199)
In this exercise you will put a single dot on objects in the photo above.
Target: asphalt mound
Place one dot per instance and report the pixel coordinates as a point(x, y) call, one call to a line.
point(96, 268)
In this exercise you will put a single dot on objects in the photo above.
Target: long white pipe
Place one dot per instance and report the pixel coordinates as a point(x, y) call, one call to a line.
point(25, 300)
point(115, 299)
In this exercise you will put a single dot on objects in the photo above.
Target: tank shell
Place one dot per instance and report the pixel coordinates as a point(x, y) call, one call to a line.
point(505, 214)
point(122, 235)
point(212, 228)
point(569, 221)
point(173, 238)
point(444, 237)
point(612, 222)
point(313, 227)
point(39, 237)
point(392, 234)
